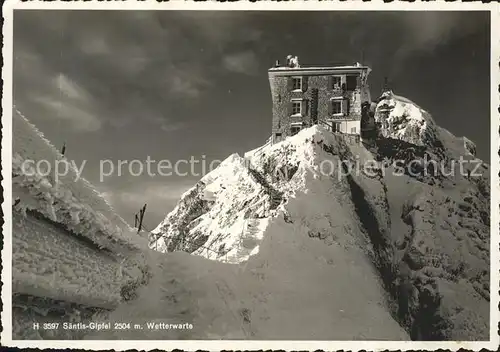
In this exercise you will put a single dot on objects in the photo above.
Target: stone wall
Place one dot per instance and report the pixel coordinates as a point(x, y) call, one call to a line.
point(316, 95)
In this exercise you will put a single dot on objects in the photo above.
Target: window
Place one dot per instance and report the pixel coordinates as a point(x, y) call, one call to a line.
point(351, 82)
point(294, 130)
point(296, 107)
point(353, 129)
point(277, 137)
point(336, 107)
point(297, 83)
point(336, 82)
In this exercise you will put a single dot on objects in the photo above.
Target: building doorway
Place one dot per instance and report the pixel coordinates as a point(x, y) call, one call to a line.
point(336, 127)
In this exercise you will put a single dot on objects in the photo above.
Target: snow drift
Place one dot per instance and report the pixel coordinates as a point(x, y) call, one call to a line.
point(317, 233)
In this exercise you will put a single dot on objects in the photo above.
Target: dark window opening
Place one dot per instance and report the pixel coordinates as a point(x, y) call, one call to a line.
point(351, 82)
point(294, 130)
point(336, 107)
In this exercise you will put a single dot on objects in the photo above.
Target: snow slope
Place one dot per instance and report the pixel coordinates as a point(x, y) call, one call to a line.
point(417, 243)
point(310, 273)
point(303, 272)
point(295, 289)
point(70, 250)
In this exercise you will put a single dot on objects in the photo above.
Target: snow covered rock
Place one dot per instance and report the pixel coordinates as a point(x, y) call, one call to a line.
point(469, 146)
point(191, 223)
point(400, 118)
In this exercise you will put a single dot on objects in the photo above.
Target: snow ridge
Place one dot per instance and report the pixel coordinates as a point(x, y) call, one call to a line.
point(23, 125)
point(74, 203)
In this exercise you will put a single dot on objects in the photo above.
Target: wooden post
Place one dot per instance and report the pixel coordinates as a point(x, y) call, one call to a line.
point(140, 223)
point(141, 217)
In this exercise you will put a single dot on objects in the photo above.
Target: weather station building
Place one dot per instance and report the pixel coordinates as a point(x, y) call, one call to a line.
point(337, 97)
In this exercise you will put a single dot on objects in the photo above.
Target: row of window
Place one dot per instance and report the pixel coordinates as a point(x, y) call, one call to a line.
point(298, 107)
point(334, 82)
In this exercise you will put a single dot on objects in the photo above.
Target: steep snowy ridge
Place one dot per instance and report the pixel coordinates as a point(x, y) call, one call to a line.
point(31, 142)
point(212, 210)
point(426, 234)
point(71, 251)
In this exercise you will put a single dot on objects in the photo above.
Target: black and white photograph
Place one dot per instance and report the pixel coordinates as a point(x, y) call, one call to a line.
point(223, 176)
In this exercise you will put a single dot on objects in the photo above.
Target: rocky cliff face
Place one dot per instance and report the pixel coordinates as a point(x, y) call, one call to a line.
point(440, 224)
point(403, 204)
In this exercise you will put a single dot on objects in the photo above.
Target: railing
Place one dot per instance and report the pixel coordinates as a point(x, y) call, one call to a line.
point(352, 137)
point(258, 151)
point(208, 249)
point(268, 142)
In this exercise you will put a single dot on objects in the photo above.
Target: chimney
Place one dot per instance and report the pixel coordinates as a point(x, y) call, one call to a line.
point(277, 64)
point(386, 86)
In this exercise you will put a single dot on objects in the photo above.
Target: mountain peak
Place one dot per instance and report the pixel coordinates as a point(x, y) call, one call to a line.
point(400, 118)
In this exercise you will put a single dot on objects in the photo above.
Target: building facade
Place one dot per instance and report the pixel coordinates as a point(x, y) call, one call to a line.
point(336, 97)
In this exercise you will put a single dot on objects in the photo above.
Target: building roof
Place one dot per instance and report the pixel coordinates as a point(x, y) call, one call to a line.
point(319, 67)
point(315, 70)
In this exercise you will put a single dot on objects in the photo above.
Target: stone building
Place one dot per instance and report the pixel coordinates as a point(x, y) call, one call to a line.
point(336, 97)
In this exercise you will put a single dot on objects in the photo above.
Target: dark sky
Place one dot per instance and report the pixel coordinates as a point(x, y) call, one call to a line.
point(124, 85)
